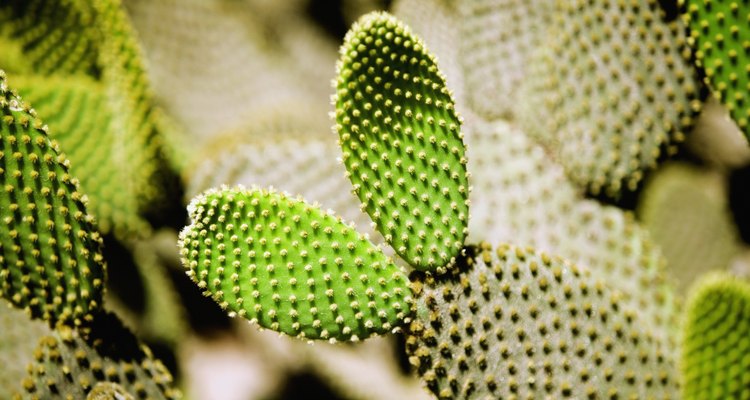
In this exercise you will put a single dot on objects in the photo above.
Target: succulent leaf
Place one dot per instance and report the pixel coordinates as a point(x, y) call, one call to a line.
point(401, 141)
point(498, 39)
point(614, 90)
point(77, 111)
point(522, 196)
point(66, 366)
point(514, 323)
point(290, 267)
point(716, 348)
point(721, 41)
point(686, 211)
point(50, 250)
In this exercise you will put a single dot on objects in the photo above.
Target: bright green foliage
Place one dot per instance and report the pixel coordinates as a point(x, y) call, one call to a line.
point(716, 348)
point(687, 213)
point(291, 267)
point(13, 60)
point(521, 196)
point(611, 91)
point(57, 37)
point(49, 248)
point(18, 338)
point(498, 39)
point(401, 141)
point(721, 39)
point(514, 323)
point(77, 111)
point(66, 366)
point(304, 165)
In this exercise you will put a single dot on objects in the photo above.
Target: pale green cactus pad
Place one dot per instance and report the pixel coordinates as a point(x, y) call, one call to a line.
point(66, 366)
point(18, 339)
point(401, 141)
point(686, 210)
point(513, 323)
point(288, 266)
point(498, 38)
point(77, 111)
point(58, 37)
point(50, 250)
point(721, 39)
point(108, 391)
point(521, 196)
point(716, 348)
point(611, 91)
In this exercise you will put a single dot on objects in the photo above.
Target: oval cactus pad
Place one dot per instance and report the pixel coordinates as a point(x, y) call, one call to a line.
point(291, 267)
point(401, 141)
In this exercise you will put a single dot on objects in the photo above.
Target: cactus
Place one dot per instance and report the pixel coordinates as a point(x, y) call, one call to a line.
point(516, 323)
point(61, 100)
point(67, 366)
point(686, 211)
point(603, 80)
point(290, 267)
point(401, 141)
point(716, 348)
point(719, 34)
point(18, 338)
point(51, 251)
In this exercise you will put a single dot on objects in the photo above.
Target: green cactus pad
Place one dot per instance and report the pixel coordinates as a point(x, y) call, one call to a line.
point(521, 196)
point(50, 251)
point(721, 39)
point(611, 91)
point(686, 210)
point(66, 366)
point(288, 266)
point(58, 37)
point(108, 391)
point(78, 114)
point(498, 39)
point(716, 348)
point(514, 323)
point(401, 141)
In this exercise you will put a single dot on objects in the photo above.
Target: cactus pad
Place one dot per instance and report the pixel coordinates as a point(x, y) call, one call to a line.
point(721, 39)
point(68, 367)
point(513, 323)
point(401, 141)
point(290, 267)
point(611, 91)
point(716, 349)
point(49, 248)
point(18, 339)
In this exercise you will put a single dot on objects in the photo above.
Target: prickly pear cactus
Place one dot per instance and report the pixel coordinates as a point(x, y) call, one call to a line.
point(716, 348)
point(18, 338)
point(720, 38)
point(610, 92)
point(50, 250)
point(513, 323)
point(288, 266)
point(401, 141)
point(67, 366)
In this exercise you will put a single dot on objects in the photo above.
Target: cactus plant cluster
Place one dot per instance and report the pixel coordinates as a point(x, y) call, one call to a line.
point(492, 216)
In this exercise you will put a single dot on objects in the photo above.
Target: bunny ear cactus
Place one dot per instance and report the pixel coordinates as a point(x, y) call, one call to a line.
point(716, 344)
point(514, 323)
point(290, 267)
point(401, 141)
point(67, 366)
point(719, 35)
point(602, 82)
point(50, 251)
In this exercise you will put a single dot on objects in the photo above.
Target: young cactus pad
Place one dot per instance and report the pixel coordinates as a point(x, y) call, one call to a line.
point(716, 348)
point(401, 141)
point(514, 323)
point(291, 267)
point(50, 252)
point(721, 38)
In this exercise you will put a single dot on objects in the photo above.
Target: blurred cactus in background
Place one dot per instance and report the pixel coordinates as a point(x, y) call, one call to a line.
point(515, 201)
